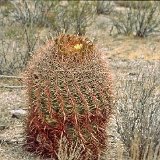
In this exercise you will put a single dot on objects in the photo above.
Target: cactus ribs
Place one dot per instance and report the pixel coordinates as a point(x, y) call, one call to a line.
point(69, 92)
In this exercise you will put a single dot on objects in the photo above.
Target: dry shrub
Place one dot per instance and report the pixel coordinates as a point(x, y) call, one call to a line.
point(127, 4)
point(16, 48)
point(32, 12)
point(61, 16)
point(138, 113)
point(17, 41)
point(3, 2)
point(141, 20)
point(74, 17)
point(104, 7)
point(22, 21)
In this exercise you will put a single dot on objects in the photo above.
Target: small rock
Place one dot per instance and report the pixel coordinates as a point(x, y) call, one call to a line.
point(18, 113)
point(2, 127)
point(132, 74)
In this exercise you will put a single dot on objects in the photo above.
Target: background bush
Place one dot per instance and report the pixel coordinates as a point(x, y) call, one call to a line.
point(23, 21)
point(138, 111)
point(139, 18)
point(104, 7)
point(74, 17)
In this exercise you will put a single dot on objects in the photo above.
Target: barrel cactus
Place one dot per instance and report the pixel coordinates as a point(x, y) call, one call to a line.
point(69, 95)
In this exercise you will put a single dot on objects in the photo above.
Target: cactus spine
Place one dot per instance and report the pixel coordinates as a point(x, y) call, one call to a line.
point(69, 95)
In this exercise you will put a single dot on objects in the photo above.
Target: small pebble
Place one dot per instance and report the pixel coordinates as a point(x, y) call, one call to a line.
point(18, 113)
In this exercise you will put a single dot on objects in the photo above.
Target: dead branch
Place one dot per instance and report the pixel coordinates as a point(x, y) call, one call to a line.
point(12, 87)
point(12, 77)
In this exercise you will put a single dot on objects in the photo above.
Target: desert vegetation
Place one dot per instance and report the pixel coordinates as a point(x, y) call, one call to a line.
point(126, 32)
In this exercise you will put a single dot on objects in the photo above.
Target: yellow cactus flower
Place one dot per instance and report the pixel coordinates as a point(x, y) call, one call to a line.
point(78, 46)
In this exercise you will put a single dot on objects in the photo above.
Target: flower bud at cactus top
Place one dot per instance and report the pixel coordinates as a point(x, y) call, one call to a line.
point(69, 94)
point(74, 47)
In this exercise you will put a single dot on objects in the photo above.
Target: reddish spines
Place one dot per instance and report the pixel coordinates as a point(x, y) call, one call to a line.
point(70, 95)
